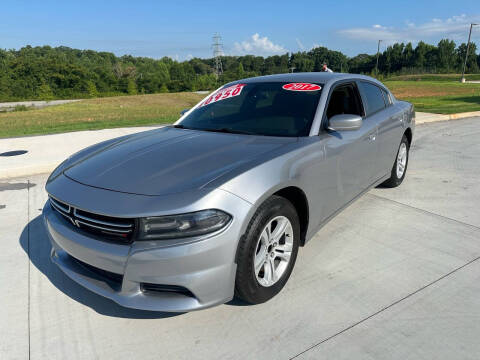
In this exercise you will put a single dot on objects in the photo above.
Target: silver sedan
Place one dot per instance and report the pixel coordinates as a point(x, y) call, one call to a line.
point(217, 205)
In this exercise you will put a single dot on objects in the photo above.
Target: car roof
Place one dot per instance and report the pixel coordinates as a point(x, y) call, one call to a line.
point(316, 77)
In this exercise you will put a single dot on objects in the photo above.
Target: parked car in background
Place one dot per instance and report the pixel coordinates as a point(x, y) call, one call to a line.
point(186, 216)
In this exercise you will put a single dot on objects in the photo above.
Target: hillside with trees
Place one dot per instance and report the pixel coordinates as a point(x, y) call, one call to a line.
point(46, 73)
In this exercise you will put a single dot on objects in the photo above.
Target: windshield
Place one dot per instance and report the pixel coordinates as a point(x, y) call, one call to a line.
point(266, 108)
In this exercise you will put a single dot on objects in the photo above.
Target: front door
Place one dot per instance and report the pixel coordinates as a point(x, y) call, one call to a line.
point(353, 153)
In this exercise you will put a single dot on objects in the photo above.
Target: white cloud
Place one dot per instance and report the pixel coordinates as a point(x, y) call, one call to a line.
point(257, 45)
point(455, 28)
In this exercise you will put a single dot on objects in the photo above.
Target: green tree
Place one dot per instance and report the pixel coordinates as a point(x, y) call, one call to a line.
point(472, 65)
point(446, 55)
point(44, 92)
point(240, 71)
point(301, 62)
point(62, 72)
point(92, 89)
point(163, 88)
point(362, 63)
point(131, 87)
point(408, 56)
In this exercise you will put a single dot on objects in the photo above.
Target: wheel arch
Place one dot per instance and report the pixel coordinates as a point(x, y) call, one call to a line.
point(299, 200)
point(408, 133)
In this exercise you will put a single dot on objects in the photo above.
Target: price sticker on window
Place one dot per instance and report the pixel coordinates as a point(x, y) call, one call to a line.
point(223, 94)
point(301, 87)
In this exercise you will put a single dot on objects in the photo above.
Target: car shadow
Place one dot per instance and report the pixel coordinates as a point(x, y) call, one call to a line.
point(467, 99)
point(237, 302)
point(34, 241)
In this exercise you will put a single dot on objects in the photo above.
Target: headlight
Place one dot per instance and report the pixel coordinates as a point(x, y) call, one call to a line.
point(183, 225)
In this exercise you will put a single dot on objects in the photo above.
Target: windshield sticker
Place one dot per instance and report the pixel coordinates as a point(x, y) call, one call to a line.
point(301, 87)
point(225, 93)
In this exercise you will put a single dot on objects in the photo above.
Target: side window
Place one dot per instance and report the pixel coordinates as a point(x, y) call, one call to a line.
point(344, 100)
point(387, 98)
point(374, 97)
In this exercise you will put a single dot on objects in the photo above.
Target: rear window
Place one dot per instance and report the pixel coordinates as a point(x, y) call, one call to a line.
point(267, 108)
point(373, 96)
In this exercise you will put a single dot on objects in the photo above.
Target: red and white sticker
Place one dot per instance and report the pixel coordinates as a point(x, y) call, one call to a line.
point(225, 93)
point(301, 87)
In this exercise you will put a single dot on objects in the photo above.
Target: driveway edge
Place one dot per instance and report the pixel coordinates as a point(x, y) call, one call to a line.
point(423, 118)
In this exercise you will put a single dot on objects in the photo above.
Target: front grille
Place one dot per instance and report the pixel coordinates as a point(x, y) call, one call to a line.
point(107, 227)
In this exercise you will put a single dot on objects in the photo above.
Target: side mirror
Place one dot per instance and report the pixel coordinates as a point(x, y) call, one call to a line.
point(343, 122)
point(184, 111)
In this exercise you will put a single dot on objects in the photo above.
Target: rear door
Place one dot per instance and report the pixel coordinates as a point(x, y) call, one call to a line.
point(390, 130)
point(378, 114)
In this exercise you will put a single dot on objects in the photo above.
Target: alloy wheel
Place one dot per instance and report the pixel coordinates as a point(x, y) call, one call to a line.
point(401, 160)
point(273, 251)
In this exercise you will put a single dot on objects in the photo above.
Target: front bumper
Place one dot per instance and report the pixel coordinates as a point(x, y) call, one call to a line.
point(204, 266)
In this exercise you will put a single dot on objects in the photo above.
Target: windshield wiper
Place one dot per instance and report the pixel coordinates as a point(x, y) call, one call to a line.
point(230, 131)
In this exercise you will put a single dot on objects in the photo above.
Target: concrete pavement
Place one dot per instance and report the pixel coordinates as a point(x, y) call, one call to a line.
point(395, 275)
point(45, 152)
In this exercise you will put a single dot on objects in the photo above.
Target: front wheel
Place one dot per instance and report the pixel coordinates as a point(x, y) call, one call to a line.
point(267, 252)
point(400, 165)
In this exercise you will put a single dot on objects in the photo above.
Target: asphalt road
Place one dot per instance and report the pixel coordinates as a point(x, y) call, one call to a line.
point(396, 275)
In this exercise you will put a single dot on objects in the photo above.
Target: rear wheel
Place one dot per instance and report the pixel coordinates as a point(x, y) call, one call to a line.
point(400, 166)
point(267, 252)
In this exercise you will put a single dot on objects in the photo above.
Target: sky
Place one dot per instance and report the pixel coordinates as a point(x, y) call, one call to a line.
point(184, 29)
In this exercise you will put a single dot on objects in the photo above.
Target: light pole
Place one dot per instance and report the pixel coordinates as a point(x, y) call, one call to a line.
point(466, 54)
point(378, 53)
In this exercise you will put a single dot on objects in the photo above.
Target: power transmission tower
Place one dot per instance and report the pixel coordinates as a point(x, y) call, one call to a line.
point(217, 52)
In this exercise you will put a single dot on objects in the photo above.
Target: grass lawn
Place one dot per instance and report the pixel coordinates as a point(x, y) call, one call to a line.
point(442, 94)
point(435, 77)
point(446, 104)
point(101, 113)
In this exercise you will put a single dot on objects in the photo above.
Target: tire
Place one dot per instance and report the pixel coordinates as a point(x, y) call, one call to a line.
point(396, 178)
point(251, 286)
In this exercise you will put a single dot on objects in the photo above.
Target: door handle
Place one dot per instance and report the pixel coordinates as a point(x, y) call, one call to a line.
point(372, 137)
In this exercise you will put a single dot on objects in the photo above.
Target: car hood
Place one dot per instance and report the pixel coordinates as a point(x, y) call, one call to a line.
point(168, 160)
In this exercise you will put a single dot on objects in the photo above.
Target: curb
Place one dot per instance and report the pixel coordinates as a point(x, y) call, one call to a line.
point(9, 174)
point(423, 118)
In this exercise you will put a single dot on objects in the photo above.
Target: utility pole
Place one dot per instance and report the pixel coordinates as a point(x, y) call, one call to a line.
point(378, 53)
point(217, 53)
point(462, 80)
